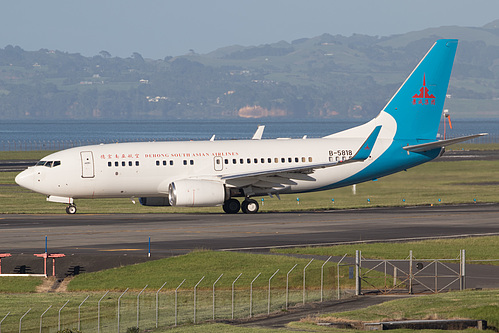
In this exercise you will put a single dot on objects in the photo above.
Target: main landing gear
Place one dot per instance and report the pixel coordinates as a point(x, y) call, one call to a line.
point(248, 206)
point(71, 209)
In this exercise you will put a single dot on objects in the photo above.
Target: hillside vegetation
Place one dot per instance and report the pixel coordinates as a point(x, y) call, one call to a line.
point(325, 76)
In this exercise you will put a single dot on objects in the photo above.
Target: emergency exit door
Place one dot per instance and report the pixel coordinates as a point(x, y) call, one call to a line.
point(87, 164)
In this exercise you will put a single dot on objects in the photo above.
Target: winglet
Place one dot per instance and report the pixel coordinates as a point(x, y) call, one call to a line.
point(366, 148)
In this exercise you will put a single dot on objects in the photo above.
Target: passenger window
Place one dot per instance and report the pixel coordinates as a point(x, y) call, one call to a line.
point(192, 162)
point(283, 160)
point(255, 160)
point(123, 163)
point(109, 164)
point(116, 163)
point(137, 163)
point(130, 163)
point(157, 162)
point(310, 159)
point(248, 160)
point(296, 159)
point(303, 159)
point(241, 161)
point(217, 161)
point(185, 162)
point(234, 161)
point(269, 160)
point(262, 160)
point(164, 162)
point(276, 160)
point(290, 159)
point(171, 162)
point(226, 161)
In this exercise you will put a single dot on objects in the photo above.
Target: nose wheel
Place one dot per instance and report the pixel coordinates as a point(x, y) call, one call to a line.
point(71, 209)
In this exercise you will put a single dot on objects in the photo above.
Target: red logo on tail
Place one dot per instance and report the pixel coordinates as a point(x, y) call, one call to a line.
point(423, 97)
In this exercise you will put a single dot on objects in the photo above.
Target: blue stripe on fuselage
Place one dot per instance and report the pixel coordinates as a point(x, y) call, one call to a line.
point(393, 160)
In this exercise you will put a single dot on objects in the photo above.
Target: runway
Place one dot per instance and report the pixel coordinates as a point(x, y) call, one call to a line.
point(177, 233)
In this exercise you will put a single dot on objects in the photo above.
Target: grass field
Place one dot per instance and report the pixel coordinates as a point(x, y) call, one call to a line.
point(211, 265)
point(483, 304)
point(477, 248)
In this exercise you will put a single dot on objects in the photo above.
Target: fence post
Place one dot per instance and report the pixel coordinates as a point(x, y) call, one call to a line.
point(59, 318)
point(176, 301)
point(79, 306)
point(357, 273)
point(233, 293)
point(1, 321)
point(214, 294)
point(41, 319)
point(119, 302)
point(410, 272)
point(322, 274)
point(138, 305)
point(251, 294)
point(157, 304)
point(98, 311)
point(463, 270)
point(21, 320)
point(338, 274)
point(195, 288)
point(287, 285)
point(304, 291)
point(268, 311)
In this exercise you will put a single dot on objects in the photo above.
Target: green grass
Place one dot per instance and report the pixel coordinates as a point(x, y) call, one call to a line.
point(211, 265)
point(477, 248)
point(480, 305)
point(23, 155)
point(19, 285)
point(451, 182)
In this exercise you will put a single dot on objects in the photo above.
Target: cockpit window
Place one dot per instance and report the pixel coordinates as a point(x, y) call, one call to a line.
point(49, 164)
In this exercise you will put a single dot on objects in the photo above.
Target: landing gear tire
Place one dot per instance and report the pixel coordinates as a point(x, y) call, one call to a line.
point(71, 209)
point(231, 206)
point(250, 206)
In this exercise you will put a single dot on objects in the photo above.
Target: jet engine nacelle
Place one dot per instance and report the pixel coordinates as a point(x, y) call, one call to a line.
point(154, 201)
point(191, 192)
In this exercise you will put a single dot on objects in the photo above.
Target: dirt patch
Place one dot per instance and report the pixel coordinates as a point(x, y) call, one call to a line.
point(46, 285)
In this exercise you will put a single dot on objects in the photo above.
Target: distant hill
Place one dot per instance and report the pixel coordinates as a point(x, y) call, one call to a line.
point(327, 76)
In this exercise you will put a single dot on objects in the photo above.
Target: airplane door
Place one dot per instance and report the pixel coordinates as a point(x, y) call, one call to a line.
point(87, 164)
point(218, 163)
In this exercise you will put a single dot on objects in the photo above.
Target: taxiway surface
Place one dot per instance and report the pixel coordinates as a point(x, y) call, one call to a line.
point(177, 233)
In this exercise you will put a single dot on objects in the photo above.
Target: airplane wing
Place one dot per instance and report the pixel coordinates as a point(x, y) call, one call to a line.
point(267, 180)
point(439, 144)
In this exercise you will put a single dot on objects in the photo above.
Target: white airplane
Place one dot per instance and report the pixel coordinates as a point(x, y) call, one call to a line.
point(214, 173)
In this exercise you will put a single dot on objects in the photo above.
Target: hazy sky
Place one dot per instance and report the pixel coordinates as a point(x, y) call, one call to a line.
point(158, 28)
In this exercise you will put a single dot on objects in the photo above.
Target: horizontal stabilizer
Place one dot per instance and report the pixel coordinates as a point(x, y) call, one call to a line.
point(439, 144)
point(366, 148)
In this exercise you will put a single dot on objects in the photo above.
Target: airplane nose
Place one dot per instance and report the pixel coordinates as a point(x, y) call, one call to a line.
point(25, 179)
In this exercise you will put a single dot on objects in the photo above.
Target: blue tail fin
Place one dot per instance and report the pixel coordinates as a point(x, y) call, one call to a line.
point(417, 105)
